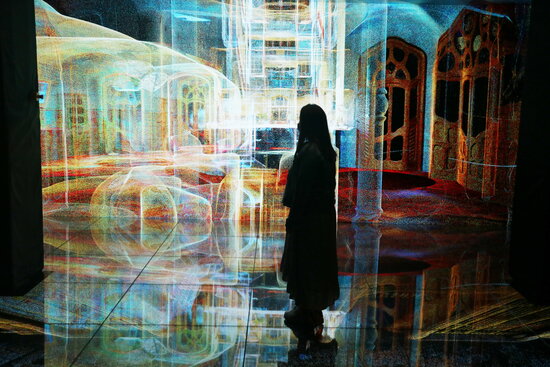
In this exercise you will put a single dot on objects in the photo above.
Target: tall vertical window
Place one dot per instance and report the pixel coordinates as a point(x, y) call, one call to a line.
point(304, 70)
point(279, 109)
point(76, 120)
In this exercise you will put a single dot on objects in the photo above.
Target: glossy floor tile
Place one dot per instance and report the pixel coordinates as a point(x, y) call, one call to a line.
point(129, 292)
point(103, 244)
point(63, 342)
point(198, 270)
point(164, 345)
point(183, 304)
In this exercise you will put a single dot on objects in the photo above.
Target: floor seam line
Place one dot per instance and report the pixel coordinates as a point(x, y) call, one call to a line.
point(68, 239)
point(120, 299)
point(251, 300)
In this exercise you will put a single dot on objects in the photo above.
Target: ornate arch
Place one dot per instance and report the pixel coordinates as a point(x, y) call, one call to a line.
point(401, 136)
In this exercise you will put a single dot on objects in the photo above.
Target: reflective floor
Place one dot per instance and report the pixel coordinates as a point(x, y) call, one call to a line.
point(155, 293)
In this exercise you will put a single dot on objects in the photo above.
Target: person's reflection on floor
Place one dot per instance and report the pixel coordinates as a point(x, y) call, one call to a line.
point(318, 355)
point(309, 262)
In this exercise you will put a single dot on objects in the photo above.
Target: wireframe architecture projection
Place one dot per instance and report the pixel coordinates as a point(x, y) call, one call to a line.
point(195, 116)
point(170, 126)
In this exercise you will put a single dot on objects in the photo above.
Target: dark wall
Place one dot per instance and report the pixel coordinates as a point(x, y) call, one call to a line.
point(152, 21)
point(121, 15)
point(530, 245)
point(21, 248)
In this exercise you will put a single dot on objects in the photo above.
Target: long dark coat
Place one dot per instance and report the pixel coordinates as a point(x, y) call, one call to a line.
point(309, 264)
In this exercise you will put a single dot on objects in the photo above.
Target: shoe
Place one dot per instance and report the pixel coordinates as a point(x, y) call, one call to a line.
point(308, 336)
point(299, 317)
point(307, 326)
point(324, 344)
point(314, 353)
point(293, 316)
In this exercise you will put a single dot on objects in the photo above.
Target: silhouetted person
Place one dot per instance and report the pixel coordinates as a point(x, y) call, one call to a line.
point(309, 264)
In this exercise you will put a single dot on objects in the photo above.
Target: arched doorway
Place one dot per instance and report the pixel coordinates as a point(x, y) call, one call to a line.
point(122, 122)
point(189, 110)
point(402, 134)
point(476, 117)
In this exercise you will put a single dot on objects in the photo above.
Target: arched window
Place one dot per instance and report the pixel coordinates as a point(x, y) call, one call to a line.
point(76, 117)
point(193, 101)
point(123, 117)
point(189, 110)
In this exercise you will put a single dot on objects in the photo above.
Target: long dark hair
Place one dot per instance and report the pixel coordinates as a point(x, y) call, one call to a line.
point(313, 127)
